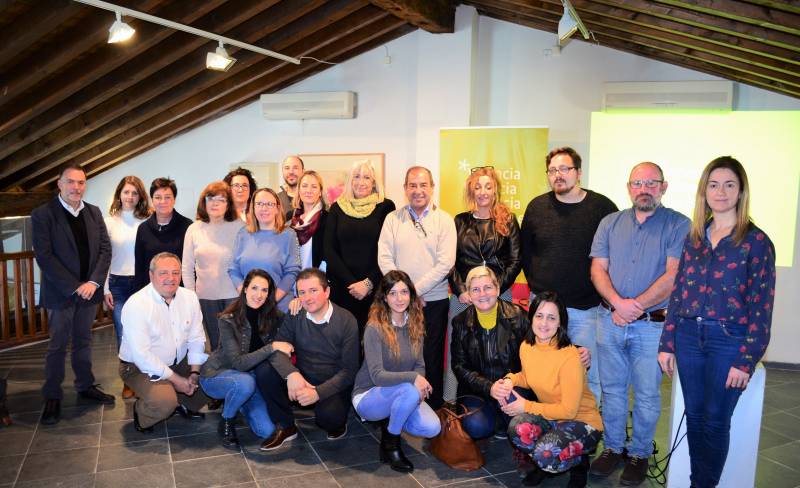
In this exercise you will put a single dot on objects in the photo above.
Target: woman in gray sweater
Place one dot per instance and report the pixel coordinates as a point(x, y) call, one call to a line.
point(391, 383)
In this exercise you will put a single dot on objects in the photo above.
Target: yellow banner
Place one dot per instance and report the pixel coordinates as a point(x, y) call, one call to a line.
point(517, 154)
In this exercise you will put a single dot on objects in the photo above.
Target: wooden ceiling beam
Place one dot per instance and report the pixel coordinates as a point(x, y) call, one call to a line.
point(436, 16)
point(108, 58)
point(122, 114)
point(792, 6)
point(742, 12)
point(42, 18)
point(22, 203)
point(383, 28)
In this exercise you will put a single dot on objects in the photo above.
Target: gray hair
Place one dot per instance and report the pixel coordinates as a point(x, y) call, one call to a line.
point(162, 255)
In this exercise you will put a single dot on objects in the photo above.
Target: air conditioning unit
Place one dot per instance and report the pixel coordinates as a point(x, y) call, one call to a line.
point(312, 105)
point(668, 95)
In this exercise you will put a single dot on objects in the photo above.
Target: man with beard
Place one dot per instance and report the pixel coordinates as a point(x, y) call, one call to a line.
point(292, 169)
point(558, 228)
point(635, 257)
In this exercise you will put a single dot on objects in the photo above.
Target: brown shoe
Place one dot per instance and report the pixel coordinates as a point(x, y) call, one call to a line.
point(635, 471)
point(127, 393)
point(278, 438)
point(606, 463)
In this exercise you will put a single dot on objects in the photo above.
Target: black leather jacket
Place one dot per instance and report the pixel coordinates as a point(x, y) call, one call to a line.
point(467, 352)
point(479, 240)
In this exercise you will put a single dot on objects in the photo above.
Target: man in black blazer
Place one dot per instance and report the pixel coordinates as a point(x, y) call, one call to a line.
point(73, 252)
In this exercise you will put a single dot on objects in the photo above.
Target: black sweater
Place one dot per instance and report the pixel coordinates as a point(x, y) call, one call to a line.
point(152, 239)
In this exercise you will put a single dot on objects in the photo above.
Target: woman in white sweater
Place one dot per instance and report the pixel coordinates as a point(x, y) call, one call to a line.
point(207, 253)
point(129, 208)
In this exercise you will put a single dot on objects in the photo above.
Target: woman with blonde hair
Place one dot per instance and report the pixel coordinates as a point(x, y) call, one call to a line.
point(720, 313)
point(208, 252)
point(308, 218)
point(391, 383)
point(129, 208)
point(267, 243)
point(352, 230)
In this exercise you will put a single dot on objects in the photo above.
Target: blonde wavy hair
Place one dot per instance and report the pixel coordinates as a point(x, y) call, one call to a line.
point(501, 214)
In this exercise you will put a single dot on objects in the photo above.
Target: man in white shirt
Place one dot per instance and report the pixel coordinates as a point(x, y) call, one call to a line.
point(420, 239)
point(163, 346)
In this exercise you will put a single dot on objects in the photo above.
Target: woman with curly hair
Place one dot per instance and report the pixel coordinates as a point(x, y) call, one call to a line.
point(391, 383)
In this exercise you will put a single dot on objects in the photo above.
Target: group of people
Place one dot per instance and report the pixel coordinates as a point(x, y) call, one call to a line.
point(352, 304)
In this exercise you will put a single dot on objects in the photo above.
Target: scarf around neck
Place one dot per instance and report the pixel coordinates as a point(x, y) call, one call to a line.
point(358, 208)
point(305, 228)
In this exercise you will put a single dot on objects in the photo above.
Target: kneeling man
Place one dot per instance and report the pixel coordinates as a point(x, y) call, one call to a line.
point(163, 346)
point(325, 338)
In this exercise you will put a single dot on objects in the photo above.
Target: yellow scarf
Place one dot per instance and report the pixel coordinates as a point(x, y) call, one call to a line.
point(358, 208)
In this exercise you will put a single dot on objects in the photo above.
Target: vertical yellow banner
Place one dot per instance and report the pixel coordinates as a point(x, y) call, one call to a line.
point(517, 154)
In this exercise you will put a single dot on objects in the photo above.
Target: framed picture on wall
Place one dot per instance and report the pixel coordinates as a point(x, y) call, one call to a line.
point(334, 169)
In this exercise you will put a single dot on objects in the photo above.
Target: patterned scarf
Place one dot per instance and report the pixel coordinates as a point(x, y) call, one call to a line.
point(305, 229)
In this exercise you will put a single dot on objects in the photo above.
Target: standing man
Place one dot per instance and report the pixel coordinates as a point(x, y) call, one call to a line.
point(558, 228)
point(163, 347)
point(292, 169)
point(635, 257)
point(324, 337)
point(420, 239)
point(73, 251)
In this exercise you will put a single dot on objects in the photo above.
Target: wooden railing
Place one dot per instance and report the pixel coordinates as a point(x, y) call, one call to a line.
point(21, 320)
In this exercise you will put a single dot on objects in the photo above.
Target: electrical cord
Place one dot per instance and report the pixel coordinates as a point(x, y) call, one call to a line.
point(655, 471)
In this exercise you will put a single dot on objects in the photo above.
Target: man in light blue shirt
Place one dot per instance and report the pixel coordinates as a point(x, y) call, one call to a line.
point(635, 256)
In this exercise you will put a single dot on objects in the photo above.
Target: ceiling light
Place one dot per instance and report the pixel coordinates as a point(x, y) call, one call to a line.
point(119, 31)
point(569, 23)
point(219, 59)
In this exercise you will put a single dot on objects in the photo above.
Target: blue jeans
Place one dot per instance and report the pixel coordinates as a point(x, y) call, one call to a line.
point(705, 350)
point(121, 288)
point(489, 419)
point(402, 405)
point(628, 357)
point(582, 331)
point(239, 391)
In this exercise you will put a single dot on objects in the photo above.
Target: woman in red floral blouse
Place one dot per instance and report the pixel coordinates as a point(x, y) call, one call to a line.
point(720, 313)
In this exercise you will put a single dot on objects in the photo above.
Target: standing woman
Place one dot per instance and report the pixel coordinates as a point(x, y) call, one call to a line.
point(129, 208)
point(208, 252)
point(391, 383)
point(560, 428)
point(720, 313)
point(243, 185)
point(164, 231)
point(308, 220)
point(247, 328)
point(267, 243)
point(351, 251)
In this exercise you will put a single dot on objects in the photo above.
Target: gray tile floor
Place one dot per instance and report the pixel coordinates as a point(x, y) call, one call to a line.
point(96, 446)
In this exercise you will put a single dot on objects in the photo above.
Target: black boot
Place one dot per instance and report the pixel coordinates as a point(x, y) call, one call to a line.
point(227, 429)
point(579, 474)
point(392, 453)
point(535, 476)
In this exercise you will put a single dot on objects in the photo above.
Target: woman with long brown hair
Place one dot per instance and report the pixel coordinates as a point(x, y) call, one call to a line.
point(391, 383)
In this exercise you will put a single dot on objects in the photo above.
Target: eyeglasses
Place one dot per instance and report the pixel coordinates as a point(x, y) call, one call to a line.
point(420, 228)
point(647, 183)
point(240, 186)
point(476, 168)
point(562, 170)
point(265, 204)
point(210, 199)
point(476, 290)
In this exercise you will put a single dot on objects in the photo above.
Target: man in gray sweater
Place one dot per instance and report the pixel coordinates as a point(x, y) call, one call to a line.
point(324, 337)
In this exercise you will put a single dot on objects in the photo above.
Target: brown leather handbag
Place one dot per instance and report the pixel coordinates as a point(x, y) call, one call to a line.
point(453, 446)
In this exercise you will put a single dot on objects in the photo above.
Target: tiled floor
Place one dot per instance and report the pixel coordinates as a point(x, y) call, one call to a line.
point(97, 446)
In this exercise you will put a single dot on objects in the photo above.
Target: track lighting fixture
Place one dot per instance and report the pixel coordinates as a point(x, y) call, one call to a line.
point(219, 60)
point(119, 31)
point(569, 23)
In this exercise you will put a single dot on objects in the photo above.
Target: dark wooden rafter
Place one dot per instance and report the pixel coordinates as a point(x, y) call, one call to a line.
point(184, 80)
point(437, 16)
point(353, 38)
point(743, 12)
point(21, 203)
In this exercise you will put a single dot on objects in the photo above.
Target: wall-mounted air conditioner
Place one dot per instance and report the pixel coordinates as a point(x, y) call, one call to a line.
point(668, 95)
point(313, 105)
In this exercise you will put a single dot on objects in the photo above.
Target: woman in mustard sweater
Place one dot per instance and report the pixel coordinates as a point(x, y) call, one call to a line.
point(560, 429)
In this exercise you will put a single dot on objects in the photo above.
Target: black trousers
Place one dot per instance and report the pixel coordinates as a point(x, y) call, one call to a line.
point(73, 323)
point(330, 413)
point(435, 313)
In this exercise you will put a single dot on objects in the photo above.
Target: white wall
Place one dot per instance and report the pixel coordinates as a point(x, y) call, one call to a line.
point(486, 73)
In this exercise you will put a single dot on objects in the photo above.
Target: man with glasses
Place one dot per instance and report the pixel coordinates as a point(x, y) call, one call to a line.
point(635, 256)
point(420, 239)
point(292, 169)
point(558, 228)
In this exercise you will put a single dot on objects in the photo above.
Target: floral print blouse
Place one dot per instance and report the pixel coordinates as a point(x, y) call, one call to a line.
point(732, 284)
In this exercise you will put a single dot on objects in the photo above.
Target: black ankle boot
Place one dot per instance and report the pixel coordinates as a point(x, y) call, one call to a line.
point(392, 453)
point(535, 476)
point(227, 429)
point(579, 474)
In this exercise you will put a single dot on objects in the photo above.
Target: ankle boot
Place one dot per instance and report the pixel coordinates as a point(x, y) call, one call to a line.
point(579, 474)
point(227, 429)
point(392, 453)
point(535, 476)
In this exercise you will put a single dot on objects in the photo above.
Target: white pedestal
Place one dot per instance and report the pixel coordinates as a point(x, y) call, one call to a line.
point(740, 467)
